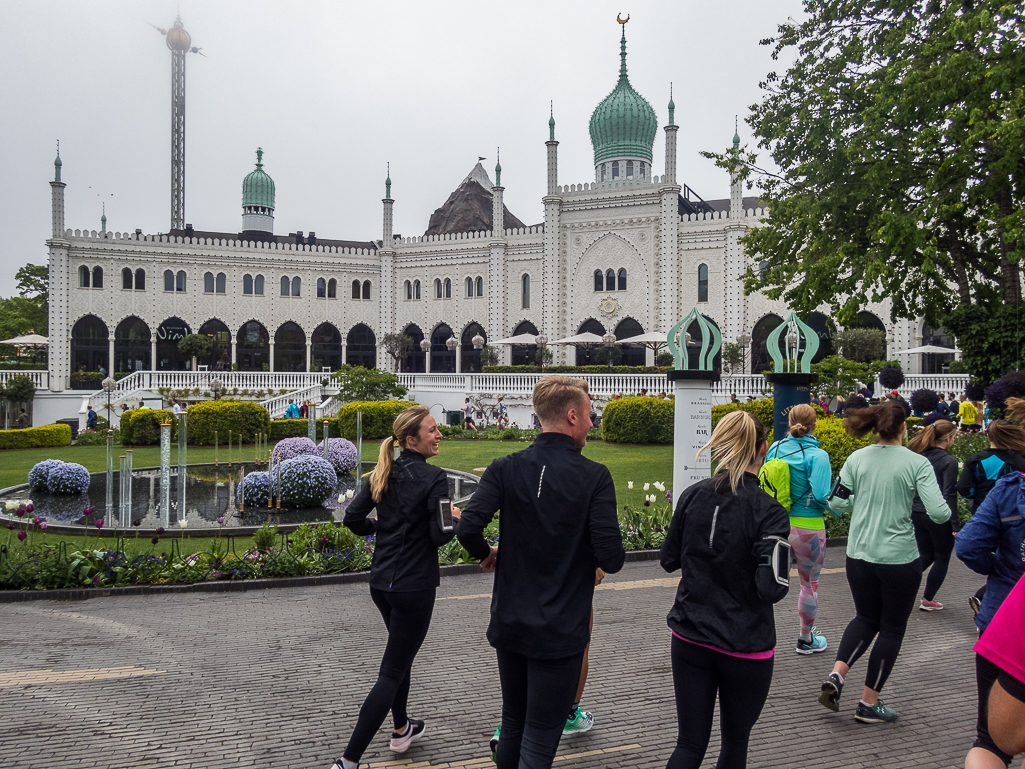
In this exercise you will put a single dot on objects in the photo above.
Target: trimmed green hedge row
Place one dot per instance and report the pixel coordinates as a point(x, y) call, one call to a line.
point(208, 417)
point(142, 426)
point(378, 417)
point(36, 437)
point(637, 420)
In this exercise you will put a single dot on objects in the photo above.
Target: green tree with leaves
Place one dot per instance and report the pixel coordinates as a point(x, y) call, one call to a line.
point(356, 383)
point(861, 344)
point(397, 346)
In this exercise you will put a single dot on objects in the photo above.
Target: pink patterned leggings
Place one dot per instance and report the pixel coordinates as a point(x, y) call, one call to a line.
point(809, 550)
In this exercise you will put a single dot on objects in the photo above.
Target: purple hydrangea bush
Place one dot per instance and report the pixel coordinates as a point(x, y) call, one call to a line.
point(341, 453)
point(891, 377)
point(290, 448)
point(255, 488)
point(1010, 385)
point(306, 481)
point(68, 478)
point(37, 476)
point(924, 400)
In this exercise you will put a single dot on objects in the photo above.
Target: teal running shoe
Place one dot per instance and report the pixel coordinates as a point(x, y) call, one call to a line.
point(875, 714)
point(814, 646)
point(581, 721)
point(493, 744)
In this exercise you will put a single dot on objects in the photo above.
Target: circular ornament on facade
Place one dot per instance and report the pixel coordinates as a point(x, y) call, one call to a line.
point(642, 235)
point(608, 306)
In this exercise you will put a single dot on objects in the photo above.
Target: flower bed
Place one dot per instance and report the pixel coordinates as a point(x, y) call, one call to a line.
point(61, 478)
point(341, 454)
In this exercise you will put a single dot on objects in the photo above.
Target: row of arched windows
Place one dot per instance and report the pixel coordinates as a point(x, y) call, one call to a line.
point(475, 287)
point(87, 277)
point(135, 345)
point(610, 280)
point(617, 169)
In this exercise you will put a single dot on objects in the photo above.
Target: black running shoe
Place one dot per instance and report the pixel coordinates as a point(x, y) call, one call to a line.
point(875, 714)
point(401, 743)
point(829, 697)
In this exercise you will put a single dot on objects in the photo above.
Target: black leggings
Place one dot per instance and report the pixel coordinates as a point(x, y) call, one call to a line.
point(536, 696)
point(742, 686)
point(935, 544)
point(407, 617)
point(884, 595)
point(986, 673)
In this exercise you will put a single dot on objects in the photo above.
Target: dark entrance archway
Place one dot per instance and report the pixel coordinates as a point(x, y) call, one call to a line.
point(824, 328)
point(585, 355)
point(524, 354)
point(326, 347)
point(132, 345)
point(290, 348)
point(470, 355)
point(760, 360)
point(219, 358)
point(443, 360)
point(416, 359)
point(169, 333)
point(633, 354)
point(89, 348)
point(694, 348)
point(251, 345)
point(361, 347)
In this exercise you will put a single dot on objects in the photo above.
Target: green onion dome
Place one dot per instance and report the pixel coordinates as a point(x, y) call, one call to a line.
point(624, 124)
point(258, 187)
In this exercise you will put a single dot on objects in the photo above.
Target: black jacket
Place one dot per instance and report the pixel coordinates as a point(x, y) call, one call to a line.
point(558, 523)
point(982, 471)
point(407, 526)
point(719, 540)
point(945, 467)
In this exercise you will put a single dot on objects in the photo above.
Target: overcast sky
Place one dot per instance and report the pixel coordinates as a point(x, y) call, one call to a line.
point(333, 91)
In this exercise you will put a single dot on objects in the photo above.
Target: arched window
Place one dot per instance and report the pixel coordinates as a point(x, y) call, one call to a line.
point(868, 320)
point(126, 278)
point(332, 289)
point(251, 347)
point(448, 288)
point(361, 347)
point(610, 280)
point(480, 286)
point(633, 354)
point(140, 279)
point(258, 285)
point(416, 289)
point(286, 286)
point(89, 345)
point(602, 167)
point(355, 290)
point(584, 352)
point(524, 354)
point(366, 289)
point(168, 280)
point(469, 286)
point(823, 328)
point(179, 281)
point(415, 360)
point(622, 280)
point(222, 283)
point(599, 281)
point(208, 283)
point(247, 284)
point(169, 357)
point(409, 290)
point(763, 270)
point(525, 292)
point(219, 357)
point(470, 354)
point(760, 360)
point(326, 348)
point(615, 169)
point(132, 345)
point(83, 277)
point(702, 282)
point(321, 288)
point(443, 360)
point(643, 169)
point(297, 285)
point(97, 277)
point(290, 348)
point(629, 173)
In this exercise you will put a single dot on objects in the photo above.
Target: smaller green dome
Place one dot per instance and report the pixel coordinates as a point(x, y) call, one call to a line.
point(624, 124)
point(258, 187)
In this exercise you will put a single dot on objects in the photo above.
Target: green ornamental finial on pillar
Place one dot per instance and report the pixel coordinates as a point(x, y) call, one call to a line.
point(711, 341)
point(551, 122)
point(672, 106)
point(387, 184)
point(57, 163)
point(498, 168)
point(795, 327)
point(736, 136)
point(259, 157)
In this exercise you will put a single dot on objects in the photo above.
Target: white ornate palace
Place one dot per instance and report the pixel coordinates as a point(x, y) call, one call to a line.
point(630, 252)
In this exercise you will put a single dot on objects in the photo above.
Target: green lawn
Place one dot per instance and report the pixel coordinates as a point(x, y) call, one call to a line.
point(641, 464)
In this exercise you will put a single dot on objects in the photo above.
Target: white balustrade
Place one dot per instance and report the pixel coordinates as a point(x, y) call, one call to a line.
point(40, 378)
point(941, 383)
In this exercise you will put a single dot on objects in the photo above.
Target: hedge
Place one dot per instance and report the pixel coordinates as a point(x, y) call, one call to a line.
point(596, 369)
point(141, 427)
point(297, 428)
point(36, 437)
point(378, 417)
point(762, 409)
point(208, 417)
point(638, 420)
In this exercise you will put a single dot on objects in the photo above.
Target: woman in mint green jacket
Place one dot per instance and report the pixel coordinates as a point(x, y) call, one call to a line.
point(877, 485)
point(810, 475)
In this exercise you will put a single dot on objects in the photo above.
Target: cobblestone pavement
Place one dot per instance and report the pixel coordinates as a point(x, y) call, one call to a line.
point(275, 679)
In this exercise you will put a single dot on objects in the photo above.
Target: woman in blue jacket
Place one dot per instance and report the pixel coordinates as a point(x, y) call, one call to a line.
point(810, 475)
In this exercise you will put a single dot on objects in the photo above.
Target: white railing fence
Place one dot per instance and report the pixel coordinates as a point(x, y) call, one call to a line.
point(941, 383)
point(190, 380)
point(40, 378)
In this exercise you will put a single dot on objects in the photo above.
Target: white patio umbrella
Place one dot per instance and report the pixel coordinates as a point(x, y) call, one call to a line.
point(27, 340)
point(519, 339)
point(587, 338)
point(929, 348)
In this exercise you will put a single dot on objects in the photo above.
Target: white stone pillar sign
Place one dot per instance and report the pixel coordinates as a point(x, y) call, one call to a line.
point(693, 426)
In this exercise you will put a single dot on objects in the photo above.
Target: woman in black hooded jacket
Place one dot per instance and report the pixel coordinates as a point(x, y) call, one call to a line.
point(729, 539)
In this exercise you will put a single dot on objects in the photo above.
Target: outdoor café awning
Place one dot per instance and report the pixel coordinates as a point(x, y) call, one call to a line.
point(519, 339)
point(581, 339)
point(930, 348)
point(27, 340)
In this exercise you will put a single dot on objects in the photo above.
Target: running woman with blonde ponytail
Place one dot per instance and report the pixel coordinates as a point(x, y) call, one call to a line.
point(810, 475)
point(404, 575)
point(728, 538)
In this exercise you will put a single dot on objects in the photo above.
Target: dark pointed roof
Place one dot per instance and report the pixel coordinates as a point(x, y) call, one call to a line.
point(468, 209)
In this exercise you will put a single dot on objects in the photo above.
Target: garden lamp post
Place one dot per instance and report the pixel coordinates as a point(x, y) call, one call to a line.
point(215, 388)
point(108, 385)
point(542, 344)
point(744, 340)
point(452, 343)
point(425, 345)
point(478, 343)
point(609, 340)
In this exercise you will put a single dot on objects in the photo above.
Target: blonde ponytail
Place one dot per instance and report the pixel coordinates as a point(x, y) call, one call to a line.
point(734, 443)
point(802, 419)
point(406, 424)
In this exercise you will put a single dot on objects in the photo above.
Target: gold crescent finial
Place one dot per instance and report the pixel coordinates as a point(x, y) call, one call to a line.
point(621, 20)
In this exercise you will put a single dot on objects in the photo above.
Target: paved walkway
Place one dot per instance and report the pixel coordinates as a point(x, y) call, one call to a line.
point(275, 679)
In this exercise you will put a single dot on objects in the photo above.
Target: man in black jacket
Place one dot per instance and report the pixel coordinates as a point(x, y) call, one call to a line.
point(558, 525)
